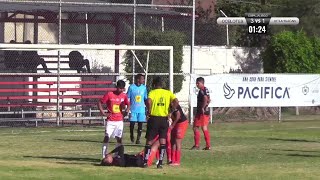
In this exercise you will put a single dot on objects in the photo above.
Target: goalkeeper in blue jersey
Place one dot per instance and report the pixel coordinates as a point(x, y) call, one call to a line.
point(137, 93)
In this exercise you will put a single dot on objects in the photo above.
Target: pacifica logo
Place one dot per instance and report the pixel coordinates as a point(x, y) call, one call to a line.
point(256, 92)
point(228, 92)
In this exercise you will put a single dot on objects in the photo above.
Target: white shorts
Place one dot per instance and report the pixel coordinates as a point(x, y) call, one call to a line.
point(114, 129)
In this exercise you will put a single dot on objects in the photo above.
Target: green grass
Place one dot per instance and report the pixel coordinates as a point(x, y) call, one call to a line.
point(255, 150)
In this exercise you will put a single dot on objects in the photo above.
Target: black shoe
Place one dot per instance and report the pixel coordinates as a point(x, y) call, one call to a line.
point(159, 166)
point(132, 139)
point(138, 141)
point(145, 165)
point(207, 148)
point(195, 148)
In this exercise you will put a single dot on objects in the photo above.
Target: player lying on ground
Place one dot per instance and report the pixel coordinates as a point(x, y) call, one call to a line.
point(117, 157)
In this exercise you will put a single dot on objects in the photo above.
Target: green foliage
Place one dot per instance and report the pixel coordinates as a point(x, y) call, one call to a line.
point(292, 52)
point(159, 60)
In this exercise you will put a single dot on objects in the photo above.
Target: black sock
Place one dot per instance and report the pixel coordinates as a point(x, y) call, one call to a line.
point(139, 130)
point(162, 153)
point(147, 151)
point(131, 129)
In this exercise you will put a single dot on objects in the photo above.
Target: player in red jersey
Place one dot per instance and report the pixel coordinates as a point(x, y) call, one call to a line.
point(176, 134)
point(202, 115)
point(114, 126)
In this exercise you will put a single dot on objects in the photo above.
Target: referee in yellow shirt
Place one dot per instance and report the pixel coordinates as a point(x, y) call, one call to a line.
point(158, 104)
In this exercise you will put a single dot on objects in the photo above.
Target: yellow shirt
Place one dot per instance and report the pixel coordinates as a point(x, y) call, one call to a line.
point(161, 100)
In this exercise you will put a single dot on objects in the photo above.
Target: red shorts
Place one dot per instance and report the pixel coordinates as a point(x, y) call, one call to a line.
point(201, 120)
point(180, 129)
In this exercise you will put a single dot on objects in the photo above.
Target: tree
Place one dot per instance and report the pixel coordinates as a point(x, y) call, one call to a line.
point(159, 61)
point(292, 52)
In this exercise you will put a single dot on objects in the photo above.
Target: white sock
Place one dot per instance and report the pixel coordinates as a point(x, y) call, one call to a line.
point(104, 149)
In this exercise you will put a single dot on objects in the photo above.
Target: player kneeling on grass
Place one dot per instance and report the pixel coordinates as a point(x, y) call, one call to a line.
point(175, 135)
point(114, 125)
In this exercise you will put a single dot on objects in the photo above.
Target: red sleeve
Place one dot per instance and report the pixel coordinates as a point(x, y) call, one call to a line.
point(105, 98)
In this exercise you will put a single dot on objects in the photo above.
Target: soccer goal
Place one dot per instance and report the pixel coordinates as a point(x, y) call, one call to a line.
point(65, 81)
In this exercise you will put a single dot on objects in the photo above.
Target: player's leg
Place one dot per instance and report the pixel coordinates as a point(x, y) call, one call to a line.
point(169, 150)
point(173, 145)
point(151, 133)
point(163, 129)
point(117, 133)
point(109, 128)
point(133, 120)
point(180, 131)
point(154, 149)
point(139, 132)
point(141, 118)
point(205, 131)
point(196, 132)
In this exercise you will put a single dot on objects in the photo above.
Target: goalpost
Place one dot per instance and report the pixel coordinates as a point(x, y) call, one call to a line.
point(85, 47)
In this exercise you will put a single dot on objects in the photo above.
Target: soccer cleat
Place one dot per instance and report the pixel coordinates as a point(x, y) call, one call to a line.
point(132, 139)
point(138, 141)
point(207, 148)
point(174, 164)
point(159, 166)
point(145, 165)
point(169, 162)
point(195, 148)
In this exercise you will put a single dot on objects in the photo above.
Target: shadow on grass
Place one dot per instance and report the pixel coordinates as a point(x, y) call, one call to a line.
point(94, 141)
point(79, 159)
point(78, 140)
point(296, 155)
point(292, 150)
point(293, 140)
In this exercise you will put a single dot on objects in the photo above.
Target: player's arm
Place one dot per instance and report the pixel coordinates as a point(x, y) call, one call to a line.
point(149, 105)
point(149, 102)
point(103, 100)
point(175, 118)
point(206, 100)
point(174, 101)
point(126, 102)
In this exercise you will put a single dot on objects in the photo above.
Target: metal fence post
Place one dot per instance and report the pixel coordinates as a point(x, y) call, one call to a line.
point(279, 114)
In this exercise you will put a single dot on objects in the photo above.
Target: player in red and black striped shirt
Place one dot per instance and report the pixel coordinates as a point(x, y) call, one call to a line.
point(202, 115)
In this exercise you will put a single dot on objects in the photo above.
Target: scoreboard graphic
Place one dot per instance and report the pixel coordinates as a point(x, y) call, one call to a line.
point(258, 23)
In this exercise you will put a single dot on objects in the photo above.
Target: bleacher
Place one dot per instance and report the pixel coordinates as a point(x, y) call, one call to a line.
point(34, 97)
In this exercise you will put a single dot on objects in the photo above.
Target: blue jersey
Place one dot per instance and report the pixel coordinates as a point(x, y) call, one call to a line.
point(137, 96)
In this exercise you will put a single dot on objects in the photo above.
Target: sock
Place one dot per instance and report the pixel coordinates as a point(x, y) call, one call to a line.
point(104, 149)
point(147, 151)
point(207, 138)
point(178, 156)
point(169, 146)
point(131, 129)
point(196, 138)
point(117, 145)
point(174, 156)
point(151, 157)
point(158, 154)
point(162, 152)
point(139, 131)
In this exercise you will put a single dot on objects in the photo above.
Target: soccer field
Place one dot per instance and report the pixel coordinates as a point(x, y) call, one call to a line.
point(256, 150)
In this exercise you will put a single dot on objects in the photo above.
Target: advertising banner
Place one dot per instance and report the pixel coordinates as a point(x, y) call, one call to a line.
point(259, 90)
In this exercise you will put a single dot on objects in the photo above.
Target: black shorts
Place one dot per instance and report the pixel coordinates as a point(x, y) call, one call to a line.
point(157, 125)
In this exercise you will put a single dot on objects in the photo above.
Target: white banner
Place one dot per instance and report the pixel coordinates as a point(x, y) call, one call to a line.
point(259, 90)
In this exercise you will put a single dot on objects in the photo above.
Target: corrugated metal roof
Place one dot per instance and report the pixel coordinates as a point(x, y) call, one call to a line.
point(84, 8)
